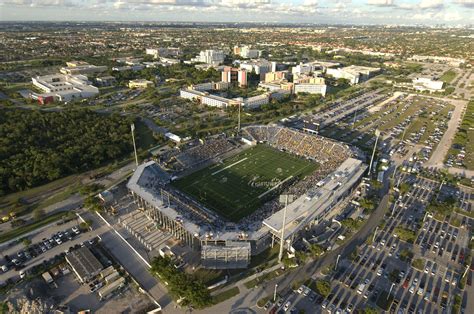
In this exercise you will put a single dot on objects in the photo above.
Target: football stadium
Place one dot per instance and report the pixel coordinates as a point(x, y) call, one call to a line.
point(221, 195)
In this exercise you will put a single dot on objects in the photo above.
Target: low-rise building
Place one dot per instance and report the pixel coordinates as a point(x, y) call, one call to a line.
point(163, 52)
point(63, 87)
point(427, 84)
point(105, 81)
point(140, 83)
point(84, 264)
point(355, 74)
point(81, 67)
point(310, 88)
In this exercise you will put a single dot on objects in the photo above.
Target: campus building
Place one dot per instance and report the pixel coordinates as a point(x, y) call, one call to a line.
point(247, 52)
point(81, 67)
point(140, 84)
point(213, 57)
point(63, 87)
point(427, 84)
point(163, 52)
point(231, 75)
point(355, 74)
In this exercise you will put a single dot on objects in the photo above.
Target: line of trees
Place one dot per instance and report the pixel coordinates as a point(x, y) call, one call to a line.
point(38, 147)
point(182, 286)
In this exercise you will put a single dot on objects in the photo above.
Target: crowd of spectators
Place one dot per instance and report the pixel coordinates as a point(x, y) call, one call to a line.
point(210, 149)
point(320, 149)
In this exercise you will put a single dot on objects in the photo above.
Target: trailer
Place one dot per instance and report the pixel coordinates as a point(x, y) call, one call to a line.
point(106, 292)
point(112, 277)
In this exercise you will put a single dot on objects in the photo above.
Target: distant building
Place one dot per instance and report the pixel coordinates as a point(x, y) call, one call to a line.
point(136, 67)
point(140, 84)
point(276, 76)
point(434, 59)
point(163, 52)
point(310, 88)
point(427, 84)
point(212, 57)
point(81, 67)
point(256, 101)
point(63, 87)
point(105, 81)
point(259, 66)
point(247, 52)
point(231, 75)
point(355, 74)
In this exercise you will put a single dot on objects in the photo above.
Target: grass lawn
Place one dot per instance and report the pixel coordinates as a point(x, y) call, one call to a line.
point(18, 231)
point(238, 186)
point(464, 138)
point(448, 76)
point(221, 297)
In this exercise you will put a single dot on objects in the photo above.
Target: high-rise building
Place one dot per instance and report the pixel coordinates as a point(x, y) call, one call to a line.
point(231, 75)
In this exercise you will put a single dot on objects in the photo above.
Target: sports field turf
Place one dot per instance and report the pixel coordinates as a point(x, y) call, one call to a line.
point(241, 184)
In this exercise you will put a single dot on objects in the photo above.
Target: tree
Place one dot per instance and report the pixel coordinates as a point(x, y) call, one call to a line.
point(38, 214)
point(316, 250)
point(323, 287)
point(26, 242)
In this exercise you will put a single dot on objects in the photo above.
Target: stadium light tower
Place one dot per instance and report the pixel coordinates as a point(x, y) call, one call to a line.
point(132, 127)
point(377, 134)
point(284, 199)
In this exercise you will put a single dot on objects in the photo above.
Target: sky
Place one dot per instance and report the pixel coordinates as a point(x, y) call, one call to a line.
point(407, 12)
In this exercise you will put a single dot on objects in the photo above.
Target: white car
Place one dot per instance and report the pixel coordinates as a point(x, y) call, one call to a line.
point(22, 274)
point(300, 289)
point(4, 268)
point(287, 306)
point(76, 230)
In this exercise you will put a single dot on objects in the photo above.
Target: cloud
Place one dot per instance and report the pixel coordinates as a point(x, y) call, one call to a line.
point(381, 3)
point(465, 3)
point(431, 4)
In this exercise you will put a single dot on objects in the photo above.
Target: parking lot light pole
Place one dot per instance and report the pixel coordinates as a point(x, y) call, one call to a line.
point(391, 287)
point(275, 293)
point(132, 127)
point(377, 134)
point(375, 233)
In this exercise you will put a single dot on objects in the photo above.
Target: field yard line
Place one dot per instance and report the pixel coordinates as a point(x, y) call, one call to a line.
point(276, 186)
point(231, 165)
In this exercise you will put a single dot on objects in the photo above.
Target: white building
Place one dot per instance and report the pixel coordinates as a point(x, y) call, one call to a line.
point(210, 57)
point(61, 87)
point(256, 101)
point(260, 66)
point(310, 88)
point(82, 68)
point(427, 84)
point(355, 74)
point(163, 52)
point(247, 52)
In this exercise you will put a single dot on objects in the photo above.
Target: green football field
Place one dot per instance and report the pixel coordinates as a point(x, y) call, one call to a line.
point(241, 184)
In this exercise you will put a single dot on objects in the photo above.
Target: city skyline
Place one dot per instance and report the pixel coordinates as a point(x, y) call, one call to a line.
point(428, 12)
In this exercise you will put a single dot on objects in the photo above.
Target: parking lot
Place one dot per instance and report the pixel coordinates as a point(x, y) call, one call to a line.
point(51, 242)
point(413, 265)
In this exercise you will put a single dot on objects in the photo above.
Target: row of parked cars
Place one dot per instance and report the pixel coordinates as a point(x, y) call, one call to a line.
point(34, 250)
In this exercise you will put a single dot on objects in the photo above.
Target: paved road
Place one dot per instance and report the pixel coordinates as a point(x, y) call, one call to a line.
point(132, 263)
point(437, 158)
